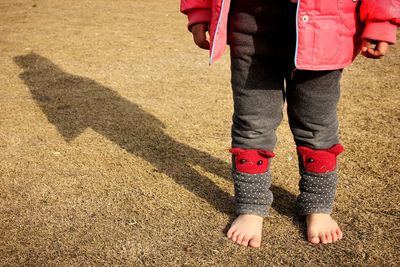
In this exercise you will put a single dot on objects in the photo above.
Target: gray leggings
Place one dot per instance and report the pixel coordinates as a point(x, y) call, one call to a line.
point(261, 63)
point(261, 36)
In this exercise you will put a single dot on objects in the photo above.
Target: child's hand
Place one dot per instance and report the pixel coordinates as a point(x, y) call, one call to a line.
point(375, 52)
point(199, 35)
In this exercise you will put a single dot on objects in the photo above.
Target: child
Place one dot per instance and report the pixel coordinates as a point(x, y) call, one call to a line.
point(306, 44)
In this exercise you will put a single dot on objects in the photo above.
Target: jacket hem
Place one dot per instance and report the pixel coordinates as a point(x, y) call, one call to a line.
point(322, 67)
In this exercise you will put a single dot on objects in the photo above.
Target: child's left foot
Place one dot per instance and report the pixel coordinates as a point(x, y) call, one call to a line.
point(246, 230)
point(321, 228)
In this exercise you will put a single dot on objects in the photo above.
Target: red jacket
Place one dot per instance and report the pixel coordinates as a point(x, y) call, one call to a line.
point(328, 31)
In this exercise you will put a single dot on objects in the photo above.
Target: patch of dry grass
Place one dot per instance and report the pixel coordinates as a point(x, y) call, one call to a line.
point(114, 138)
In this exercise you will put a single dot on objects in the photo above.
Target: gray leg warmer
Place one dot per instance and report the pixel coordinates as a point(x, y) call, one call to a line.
point(317, 192)
point(252, 193)
point(318, 171)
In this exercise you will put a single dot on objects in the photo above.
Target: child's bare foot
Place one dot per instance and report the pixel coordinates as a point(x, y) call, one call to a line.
point(246, 230)
point(322, 228)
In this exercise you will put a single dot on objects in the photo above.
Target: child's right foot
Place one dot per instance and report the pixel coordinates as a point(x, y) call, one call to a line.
point(246, 230)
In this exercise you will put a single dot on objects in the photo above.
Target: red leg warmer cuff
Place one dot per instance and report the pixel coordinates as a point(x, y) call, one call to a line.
point(251, 161)
point(319, 161)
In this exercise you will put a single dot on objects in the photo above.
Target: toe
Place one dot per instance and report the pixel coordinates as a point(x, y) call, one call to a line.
point(245, 241)
point(323, 238)
point(235, 236)
point(255, 242)
point(339, 233)
point(239, 238)
point(313, 236)
point(314, 239)
point(334, 236)
point(230, 233)
point(328, 237)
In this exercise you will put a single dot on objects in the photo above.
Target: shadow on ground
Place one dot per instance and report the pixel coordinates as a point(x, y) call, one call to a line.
point(73, 103)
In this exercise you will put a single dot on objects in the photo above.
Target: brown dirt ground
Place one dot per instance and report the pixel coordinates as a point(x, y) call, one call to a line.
point(114, 137)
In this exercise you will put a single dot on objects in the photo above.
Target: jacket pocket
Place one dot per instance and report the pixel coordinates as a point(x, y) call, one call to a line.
point(326, 7)
point(349, 15)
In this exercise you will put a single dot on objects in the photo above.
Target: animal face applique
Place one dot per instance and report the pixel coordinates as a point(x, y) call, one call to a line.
point(319, 161)
point(252, 160)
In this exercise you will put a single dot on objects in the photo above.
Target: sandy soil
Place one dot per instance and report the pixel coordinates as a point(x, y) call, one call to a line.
point(114, 137)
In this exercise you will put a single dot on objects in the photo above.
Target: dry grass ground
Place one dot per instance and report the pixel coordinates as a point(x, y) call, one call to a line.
point(114, 137)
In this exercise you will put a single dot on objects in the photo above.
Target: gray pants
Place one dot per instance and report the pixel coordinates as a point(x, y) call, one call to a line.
point(261, 36)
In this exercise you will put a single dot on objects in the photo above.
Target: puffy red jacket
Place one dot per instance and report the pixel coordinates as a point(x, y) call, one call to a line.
point(327, 30)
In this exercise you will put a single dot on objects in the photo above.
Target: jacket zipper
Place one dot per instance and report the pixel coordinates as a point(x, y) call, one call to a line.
point(216, 31)
point(297, 35)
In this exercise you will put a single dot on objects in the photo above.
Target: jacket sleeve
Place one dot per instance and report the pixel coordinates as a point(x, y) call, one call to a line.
point(196, 10)
point(381, 18)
